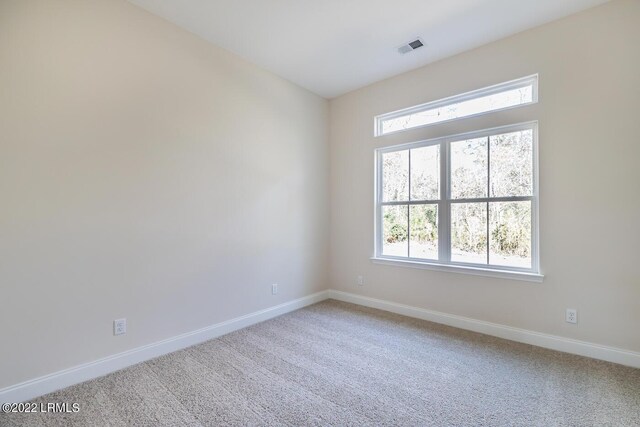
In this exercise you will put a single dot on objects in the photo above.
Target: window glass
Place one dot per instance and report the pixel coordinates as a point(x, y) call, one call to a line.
point(423, 231)
point(395, 176)
point(487, 214)
point(395, 230)
point(425, 173)
point(510, 234)
point(469, 232)
point(512, 164)
point(494, 98)
point(469, 168)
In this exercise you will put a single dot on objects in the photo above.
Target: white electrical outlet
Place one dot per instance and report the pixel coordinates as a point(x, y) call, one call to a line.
point(572, 315)
point(119, 326)
point(274, 288)
point(360, 280)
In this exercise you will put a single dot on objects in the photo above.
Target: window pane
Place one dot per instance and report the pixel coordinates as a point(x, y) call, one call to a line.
point(395, 176)
point(455, 110)
point(510, 234)
point(423, 230)
point(469, 232)
point(394, 230)
point(425, 173)
point(512, 164)
point(469, 172)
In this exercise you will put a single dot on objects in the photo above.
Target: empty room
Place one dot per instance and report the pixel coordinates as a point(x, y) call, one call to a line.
point(319, 213)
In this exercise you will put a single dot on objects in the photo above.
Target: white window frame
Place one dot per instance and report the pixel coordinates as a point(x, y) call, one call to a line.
point(531, 80)
point(444, 262)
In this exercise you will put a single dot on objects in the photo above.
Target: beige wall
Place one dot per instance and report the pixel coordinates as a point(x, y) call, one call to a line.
point(146, 174)
point(149, 175)
point(589, 151)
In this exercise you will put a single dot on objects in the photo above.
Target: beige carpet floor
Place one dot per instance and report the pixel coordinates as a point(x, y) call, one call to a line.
point(343, 365)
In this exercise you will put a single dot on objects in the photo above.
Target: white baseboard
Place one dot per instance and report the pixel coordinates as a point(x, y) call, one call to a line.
point(553, 342)
point(87, 371)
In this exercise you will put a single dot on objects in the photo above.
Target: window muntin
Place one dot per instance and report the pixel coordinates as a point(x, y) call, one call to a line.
point(494, 98)
point(465, 200)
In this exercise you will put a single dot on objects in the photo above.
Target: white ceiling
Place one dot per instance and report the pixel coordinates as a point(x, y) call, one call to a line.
point(334, 46)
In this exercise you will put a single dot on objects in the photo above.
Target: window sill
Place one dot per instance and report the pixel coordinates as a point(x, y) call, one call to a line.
point(476, 271)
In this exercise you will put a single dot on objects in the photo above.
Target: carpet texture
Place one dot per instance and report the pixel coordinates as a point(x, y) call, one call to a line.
point(340, 364)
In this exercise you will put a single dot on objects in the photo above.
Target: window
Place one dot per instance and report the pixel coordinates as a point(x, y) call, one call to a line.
point(499, 97)
point(468, 200)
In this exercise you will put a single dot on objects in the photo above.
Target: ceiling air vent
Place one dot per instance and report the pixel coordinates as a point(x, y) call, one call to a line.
point(411, 46)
